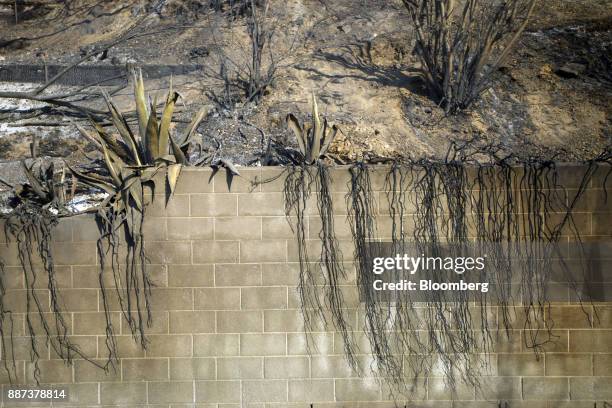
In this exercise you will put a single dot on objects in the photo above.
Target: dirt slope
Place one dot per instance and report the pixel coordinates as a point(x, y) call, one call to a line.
point(555, 90)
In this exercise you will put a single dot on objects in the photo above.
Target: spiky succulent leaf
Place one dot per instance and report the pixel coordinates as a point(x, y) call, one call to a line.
point(294, 125)
point(317, 132)
point(132, 187)
point(328, 137)
point(166, 119)
point(38, 187)
point(95, 182)
point(110, 141)
point(152, 138)
point(177, 152)
point(123, 128)
point(115, 165)
point(141, 108)
point(195, 122)
point(173, 172)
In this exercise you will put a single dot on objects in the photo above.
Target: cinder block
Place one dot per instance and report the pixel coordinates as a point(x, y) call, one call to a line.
point(340, 180)
point(358, 389)
point(499, 388)
point(556, 341)
point(18, 377)
point(84, 228)
point(79, 300)
point(528, 364)
point(21, 347)
point(342, 227)
point(591, 388)
point(334, 366)
point(280, 274)
point(86, 277)
point(268, 344)
point(264, 298)
point(73, 253)
point(601, 224)
point(165, 299)
point(217, 299)
point(94, 323)
point(228, 228)
point(10, 254)
point(190, 228)
point(234, 368)
point(264, 391)
point(17, 300)
point(159, 324)
point(192, 369)
point(261, 204)
point(602, 365)
point(79, 395)
point(214, 205)
point(311, 391)
point(127, 347)
point(549, 388)
point(149, 369)
point(175, 345)
point(189, 276)
point(598, 341)
point(168, 252)
point(155, 229)
point(283, 321)
point(85, 371)
point(286, 367)
point(272, 179)
point(194, 180)
point(603, 318)
point(192, 322)
point(244, 183)
point(51, 371)
point(237, 275)
point(215, 252)
point(123, 393)
point(562, 364)
point(239, 321)
point(213, 345)
point(415, 391)
point(345, 250)
point(62, 232)
point(170, 392)
point(217, 391)
point(340, 207)
point(279, 227)
point(571, 317)
point(13, 277)
point(177, 206)
point(263, 251)
point(86, 344)
point(384, 207)
point(310, 343)
point(592, 200)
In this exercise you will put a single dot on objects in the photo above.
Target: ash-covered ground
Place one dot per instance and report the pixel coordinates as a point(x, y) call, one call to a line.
point(554, 92)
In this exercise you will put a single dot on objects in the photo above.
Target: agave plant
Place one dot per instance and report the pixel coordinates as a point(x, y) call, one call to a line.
point(44, 186)
point(313, 138)
point(131, 159)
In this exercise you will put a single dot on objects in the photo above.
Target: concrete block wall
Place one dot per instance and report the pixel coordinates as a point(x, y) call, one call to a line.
point(228, 330)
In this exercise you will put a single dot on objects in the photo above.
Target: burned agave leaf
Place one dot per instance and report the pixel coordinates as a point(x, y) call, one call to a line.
point(313, 138)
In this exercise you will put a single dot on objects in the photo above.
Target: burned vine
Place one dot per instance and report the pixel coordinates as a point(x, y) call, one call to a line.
point(32, 229)
point(502, 207)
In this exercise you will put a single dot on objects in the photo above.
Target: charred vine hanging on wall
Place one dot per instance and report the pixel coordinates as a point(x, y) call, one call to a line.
point(32, 228)
point(504, 207)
